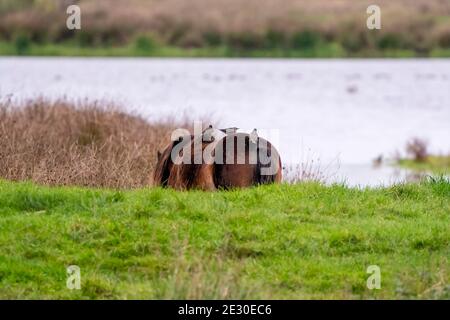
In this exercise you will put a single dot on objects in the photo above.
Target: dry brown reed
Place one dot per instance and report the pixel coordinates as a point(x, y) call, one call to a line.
point(87, 144)
point(417, 149)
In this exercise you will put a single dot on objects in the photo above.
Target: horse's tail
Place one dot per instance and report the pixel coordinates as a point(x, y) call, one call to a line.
point(162, 170)
point(261, 176)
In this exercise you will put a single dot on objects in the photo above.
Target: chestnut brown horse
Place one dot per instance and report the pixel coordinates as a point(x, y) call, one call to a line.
point(234, 160)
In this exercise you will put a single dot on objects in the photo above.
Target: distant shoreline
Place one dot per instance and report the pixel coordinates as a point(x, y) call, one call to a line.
point(332, 50)
point(203, 28)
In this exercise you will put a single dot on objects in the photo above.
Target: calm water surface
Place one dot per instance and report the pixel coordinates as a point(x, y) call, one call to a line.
point(339, 113)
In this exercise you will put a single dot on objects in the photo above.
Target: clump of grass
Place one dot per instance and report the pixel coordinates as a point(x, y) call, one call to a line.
point(309, 170)
point(86, 144)
point(301, 172)
point(201, 275)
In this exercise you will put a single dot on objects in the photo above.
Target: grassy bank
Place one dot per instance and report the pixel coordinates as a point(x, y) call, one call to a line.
point(285, 241)
point(432, 163)
point(226, 28)
point(419, 159)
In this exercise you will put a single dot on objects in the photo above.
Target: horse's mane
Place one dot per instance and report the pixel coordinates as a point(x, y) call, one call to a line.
point(183, 175)
point(189, 172)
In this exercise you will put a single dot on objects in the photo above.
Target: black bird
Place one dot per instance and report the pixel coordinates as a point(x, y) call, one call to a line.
point(229, 130)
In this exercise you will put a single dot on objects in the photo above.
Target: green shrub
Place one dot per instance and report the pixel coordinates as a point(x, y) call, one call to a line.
point(305, 40)
point(275, 39)
point(22, 44)
point(245, 41)
point(145, 44)
point(85, 38)
point(212, 38)
point(390, 41)
point(354, 42)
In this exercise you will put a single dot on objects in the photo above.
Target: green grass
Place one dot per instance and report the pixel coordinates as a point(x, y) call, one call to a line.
point(435, 164)
point(323, 50)
point(279, 241)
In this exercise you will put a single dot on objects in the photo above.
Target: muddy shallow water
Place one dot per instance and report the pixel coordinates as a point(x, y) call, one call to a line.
point(340, 113)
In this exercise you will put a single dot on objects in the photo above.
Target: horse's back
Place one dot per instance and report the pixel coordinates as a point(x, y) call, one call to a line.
point(239, 162)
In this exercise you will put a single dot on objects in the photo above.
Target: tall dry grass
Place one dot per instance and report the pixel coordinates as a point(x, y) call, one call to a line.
point(86, 144)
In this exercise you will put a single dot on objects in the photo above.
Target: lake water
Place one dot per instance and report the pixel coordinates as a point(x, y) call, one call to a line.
point(339, 113)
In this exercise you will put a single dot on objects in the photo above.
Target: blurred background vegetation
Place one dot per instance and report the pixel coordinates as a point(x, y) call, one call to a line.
point(273, 28)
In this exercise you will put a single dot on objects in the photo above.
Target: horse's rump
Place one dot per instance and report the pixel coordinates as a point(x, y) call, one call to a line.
point(241, 162)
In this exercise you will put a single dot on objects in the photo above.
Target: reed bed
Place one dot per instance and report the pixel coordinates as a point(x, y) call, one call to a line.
point(86, 144)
